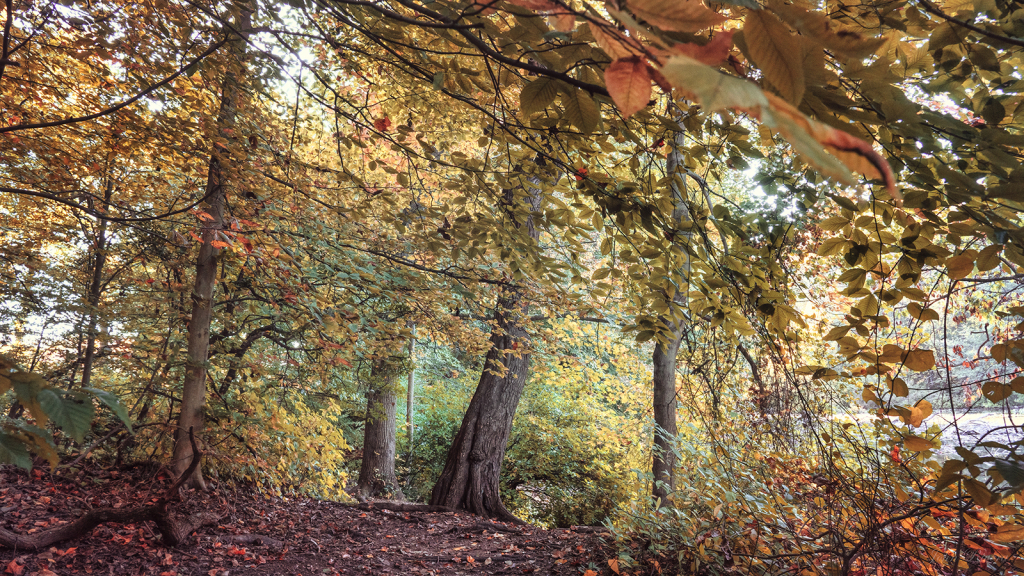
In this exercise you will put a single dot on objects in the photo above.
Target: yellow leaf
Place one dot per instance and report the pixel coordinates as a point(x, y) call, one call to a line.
point(581, 111)
point(918, 444)
point(676, 15)
point(776, 52)
point(960, 266)
point(978, 491)
point(988, 259)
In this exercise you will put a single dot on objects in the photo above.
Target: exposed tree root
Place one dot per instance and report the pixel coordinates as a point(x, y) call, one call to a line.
point(252, 540)
point(483, 526)
point(398, 507)
point(591, 529)
point(173, 529)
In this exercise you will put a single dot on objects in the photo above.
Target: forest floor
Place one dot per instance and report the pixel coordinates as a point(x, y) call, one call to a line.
point(261, 534)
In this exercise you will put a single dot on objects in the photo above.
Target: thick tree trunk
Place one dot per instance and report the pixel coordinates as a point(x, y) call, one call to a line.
point(377, 477)
point(470, 480)
point(667, 347)
point(193, 395)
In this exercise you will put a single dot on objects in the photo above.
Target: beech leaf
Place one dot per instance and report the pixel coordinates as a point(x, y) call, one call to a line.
point(581, 110)
point(676, 15)
point(629, 84)
point(776, 52)
point(960, 266)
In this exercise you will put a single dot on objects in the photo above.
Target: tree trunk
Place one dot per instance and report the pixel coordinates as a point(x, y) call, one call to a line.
point(193, 395)
point(410, 390)
point(470, 480)
point(377, 477)
point(667, 346)
point(96, 288)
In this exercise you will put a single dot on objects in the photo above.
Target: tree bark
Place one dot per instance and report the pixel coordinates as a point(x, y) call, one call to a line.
point(410, 390)
point(193, 396)
point(667, 347)
point(96, 288)
point(470, 480)
point(377, 473)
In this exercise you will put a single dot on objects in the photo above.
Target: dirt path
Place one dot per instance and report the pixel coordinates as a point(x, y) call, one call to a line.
point(298, 536)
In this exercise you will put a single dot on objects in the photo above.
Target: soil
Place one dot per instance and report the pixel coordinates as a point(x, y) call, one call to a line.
point(261, 534)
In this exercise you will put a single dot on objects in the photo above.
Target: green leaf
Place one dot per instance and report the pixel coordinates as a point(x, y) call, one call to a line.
point(538, 95)
point(581, 111)
point(114, 404)
point(71, 412)
point(1012, 472)
point(13, 451)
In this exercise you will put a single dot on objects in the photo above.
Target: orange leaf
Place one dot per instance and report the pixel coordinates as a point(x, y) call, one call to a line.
point(712, 53)
point(219, 244)
point(629, 84)
point(14, 568)
point(613, 563)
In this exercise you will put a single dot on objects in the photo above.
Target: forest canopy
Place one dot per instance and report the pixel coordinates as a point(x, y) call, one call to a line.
point(741, 279)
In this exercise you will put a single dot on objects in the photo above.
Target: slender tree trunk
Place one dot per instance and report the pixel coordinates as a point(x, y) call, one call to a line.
point(377, 474)
point(667, 347)
point(410, 390)
point(470, 480)
point(96, 288)
point(193, 396)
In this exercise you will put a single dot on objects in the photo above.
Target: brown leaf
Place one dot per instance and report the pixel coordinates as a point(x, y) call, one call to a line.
point(629, 84)
point(1009, 533)
point(676, 15)
point(960, 266)
point(920, 360)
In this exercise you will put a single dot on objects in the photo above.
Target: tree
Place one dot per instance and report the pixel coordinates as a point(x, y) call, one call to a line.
point(193, 397)
point(377, 471)
point(470, 479)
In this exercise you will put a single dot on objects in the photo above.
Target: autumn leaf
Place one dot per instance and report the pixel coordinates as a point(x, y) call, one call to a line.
point(775, 52)
point(629, 84)
point(917, 444)
point(613, 563)
point(1008, 533)
point(382, 124)
point(712, 53)
point(676, 15)
point(959, 267)
point(920, 360)
point(613, 41)
point(581, 111)
point(538, 95)
point(988, 259)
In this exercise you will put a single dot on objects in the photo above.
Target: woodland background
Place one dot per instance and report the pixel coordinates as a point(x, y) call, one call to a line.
point(740, 280)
